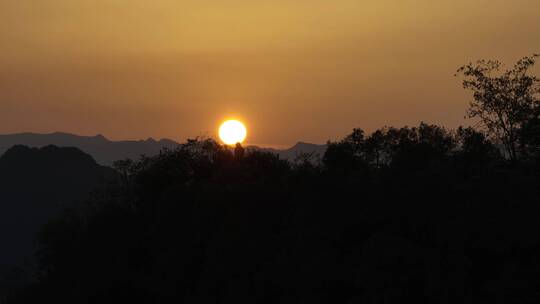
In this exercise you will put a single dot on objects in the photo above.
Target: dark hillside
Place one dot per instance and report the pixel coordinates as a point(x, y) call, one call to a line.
point(35, 185)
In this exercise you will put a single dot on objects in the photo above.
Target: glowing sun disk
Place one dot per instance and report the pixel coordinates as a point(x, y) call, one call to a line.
point(232, 132)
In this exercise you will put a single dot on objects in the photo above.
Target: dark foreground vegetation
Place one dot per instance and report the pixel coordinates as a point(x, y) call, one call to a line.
point(421, 214)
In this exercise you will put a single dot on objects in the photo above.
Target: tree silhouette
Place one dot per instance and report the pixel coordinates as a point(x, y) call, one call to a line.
point(503, 102)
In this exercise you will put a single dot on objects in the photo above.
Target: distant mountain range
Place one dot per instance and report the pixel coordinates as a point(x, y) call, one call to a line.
point(106, 151)
point(103, 150)
point(291, 154)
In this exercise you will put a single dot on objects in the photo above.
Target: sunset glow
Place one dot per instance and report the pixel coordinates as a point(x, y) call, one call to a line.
point(125, 63)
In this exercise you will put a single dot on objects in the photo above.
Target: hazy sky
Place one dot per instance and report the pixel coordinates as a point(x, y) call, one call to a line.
point(293, 70)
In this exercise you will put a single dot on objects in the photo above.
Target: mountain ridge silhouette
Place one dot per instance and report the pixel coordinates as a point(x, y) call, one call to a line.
point(106, 151)
point(103, 150)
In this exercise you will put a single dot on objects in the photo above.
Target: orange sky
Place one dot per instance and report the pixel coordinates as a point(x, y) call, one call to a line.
point(306, 70)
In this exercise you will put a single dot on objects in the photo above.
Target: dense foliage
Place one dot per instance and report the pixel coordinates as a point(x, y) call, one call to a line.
point(413, 213)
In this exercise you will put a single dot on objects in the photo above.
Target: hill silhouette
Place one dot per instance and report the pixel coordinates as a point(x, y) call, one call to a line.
point(36, 185)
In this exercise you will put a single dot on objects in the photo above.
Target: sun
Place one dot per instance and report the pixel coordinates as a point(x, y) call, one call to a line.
point(232, 132)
